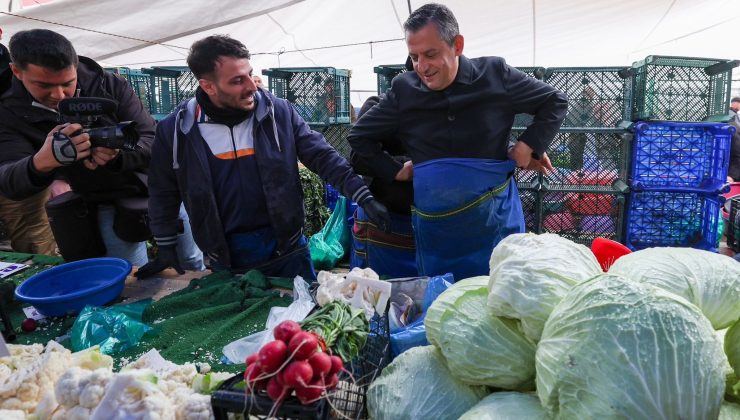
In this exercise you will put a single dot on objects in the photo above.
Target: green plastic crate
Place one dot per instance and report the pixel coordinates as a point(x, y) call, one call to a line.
point(386, 73)
point(599, 98)
point(320, 95)
point(336, 136)
point(522, 121)
point(140, 83)
point(681, 88)
point(169, 87)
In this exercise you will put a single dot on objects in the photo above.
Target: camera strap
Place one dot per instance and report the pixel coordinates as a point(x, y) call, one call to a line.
point(63, 148)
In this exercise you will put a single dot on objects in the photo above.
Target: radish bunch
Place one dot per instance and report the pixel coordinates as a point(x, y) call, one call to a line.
point(296, 361)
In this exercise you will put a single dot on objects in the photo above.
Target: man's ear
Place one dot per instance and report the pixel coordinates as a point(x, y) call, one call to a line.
point(17, 72)
point(459, 44)
point(208, 86)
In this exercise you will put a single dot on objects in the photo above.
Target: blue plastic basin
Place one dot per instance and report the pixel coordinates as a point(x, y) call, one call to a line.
point(67, 288)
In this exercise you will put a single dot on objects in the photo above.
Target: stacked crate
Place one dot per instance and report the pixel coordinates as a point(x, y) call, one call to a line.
point(679, 164)
point(584, 197)
point(160, 89)
point(386, 74)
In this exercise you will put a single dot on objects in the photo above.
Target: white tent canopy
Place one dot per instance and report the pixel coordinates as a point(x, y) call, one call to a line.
point(361, 34)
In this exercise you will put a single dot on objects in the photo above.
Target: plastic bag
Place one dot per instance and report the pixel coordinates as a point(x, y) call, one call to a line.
point(329, 244)
point(114, 328)
point(238, 350)
point(414, 334)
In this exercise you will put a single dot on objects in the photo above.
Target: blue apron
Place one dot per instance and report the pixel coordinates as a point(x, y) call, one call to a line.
point(462, 209)
point(390, 254)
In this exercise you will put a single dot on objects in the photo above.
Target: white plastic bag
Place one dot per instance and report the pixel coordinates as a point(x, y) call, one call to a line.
point(238, 350)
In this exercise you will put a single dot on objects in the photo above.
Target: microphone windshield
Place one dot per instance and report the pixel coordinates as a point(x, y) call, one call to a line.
point(87, 106)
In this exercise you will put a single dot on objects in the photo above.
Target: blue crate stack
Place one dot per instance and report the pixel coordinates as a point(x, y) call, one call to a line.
point(679, 160)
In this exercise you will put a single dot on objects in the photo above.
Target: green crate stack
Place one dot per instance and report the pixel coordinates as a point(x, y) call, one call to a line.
point(140, 83)
point(320, 95)
point(681, 88)
point(169, 87)
point(386, 73)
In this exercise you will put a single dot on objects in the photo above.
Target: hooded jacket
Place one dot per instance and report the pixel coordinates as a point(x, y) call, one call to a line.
point(24, 125)
point(179, 172)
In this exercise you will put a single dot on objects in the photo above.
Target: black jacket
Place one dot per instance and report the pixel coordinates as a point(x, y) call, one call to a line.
point(471, 118)
point(24, 127)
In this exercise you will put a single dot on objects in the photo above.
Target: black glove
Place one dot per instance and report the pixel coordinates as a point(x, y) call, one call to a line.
point(166, 257)
point(378, 214)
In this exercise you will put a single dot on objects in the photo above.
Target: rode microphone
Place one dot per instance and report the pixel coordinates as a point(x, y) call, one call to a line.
point(87, 106)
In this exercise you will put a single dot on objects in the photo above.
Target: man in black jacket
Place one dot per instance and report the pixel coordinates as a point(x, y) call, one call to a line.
point(454, 116)
point(46, 70)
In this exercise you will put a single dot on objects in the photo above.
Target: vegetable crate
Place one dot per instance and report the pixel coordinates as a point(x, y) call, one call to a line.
point(522, 121)
point(681, 88)
point(320, 95)
point(347, 400)
point(681, 219)
point(336, 136)
point(582, 214)
point(589, 158)
point(733, 225)
point(598, 97)
point(680, 156)
point(140, 83)
point(169, 87)
point(386, 74)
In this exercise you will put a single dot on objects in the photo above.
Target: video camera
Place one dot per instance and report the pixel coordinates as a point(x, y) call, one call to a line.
point(87, 112)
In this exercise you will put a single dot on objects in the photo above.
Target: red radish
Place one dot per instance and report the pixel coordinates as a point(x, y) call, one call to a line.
point(272, 355)
point(302, 345)
point(285, 330)
point(275, 390)
point(252, 376)
point(252, 358)
point(310, 393)
point(332, 381)
point(336, 365)
point(29, 325)
point(320, 363)
point(279, 377)
point(297, 374)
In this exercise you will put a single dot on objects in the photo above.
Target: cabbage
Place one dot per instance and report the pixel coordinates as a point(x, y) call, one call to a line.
point(614, 348)
point(732, 347)
point(729, 411)
point(708, 280)
point(531, 273)
point(418, 385)
point(480, 348)
point(507, 406)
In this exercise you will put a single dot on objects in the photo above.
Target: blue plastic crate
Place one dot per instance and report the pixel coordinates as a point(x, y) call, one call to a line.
point(331, 196)
point(681, 219)
point(674, 156)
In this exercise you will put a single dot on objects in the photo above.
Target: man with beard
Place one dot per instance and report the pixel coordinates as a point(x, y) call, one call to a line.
point(231, 155)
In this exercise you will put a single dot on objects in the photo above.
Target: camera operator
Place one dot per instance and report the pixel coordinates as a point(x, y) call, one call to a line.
point(46, 70)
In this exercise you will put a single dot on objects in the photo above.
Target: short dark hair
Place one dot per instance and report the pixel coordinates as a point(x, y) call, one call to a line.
point(735, 99)
point(44, 48)
point(438, 14)
point(205, 53)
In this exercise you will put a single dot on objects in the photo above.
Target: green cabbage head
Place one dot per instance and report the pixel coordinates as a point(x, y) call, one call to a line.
point(531, 273)
point(479, 347)
point(615, 348)
point(418, 385)
point(507, 406)
point(708, 280)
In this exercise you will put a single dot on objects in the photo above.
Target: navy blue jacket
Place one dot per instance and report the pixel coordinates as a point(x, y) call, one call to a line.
point(471, 118)
point(179, 172)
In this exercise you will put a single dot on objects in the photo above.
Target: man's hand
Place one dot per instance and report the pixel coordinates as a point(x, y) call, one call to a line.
point(58, 187)
point(406, 173)
point(542, 165)
point(78, 148)
point(378, 214)
point(521, 153)
point(166, 257)
point(100, 156)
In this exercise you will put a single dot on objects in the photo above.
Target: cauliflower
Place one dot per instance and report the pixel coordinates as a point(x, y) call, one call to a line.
point(31, 375)
point(191, 405)
point(12, 415)
point(134, 394)
point(79, 391)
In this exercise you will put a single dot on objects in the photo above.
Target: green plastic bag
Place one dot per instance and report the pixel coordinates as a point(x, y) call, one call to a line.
point(114, 328)
point(329, 245)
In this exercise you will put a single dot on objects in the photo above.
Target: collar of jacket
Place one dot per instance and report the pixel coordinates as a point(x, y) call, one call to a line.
point(16, 98)
point(186, 114)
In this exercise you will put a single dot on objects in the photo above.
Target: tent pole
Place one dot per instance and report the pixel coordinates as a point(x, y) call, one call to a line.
point(534, 33)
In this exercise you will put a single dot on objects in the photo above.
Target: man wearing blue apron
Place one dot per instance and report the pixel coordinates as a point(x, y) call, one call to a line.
point(454, 117)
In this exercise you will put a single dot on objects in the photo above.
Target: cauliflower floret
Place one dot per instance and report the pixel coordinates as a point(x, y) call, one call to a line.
point(12, 415)
point(183, 374)
point(191, 405)
point(134, 394)
point(80, 387)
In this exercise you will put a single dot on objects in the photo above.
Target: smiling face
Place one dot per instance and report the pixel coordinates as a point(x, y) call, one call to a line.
point(435, 61)
point(231, 84)
point(48, 87)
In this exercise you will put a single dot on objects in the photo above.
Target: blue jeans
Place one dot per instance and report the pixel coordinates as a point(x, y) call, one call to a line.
point(135, 252)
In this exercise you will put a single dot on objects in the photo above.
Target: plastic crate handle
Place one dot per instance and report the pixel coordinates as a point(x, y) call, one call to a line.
point(721, 67)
